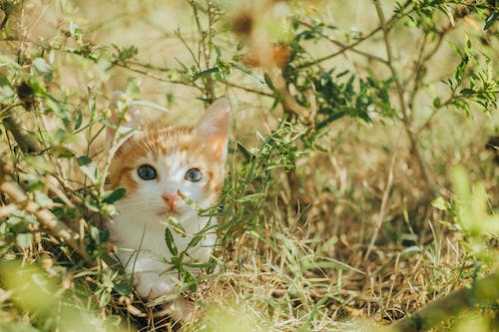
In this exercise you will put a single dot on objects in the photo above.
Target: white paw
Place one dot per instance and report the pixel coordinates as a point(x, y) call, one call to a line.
point(152, 285)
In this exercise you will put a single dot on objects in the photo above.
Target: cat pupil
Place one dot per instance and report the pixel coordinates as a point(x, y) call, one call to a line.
point(147, 172)
point(193, 175)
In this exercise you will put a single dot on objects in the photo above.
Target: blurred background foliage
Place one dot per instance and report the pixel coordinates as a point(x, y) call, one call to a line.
point(340, 209)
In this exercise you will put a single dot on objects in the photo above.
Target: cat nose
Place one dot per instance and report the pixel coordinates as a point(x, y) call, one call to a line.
point(170, 200)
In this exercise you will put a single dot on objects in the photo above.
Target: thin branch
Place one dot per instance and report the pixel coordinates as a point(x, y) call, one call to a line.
point(4, 20)
point(46, 218)
point(247, 89)
point(288, 102)
point(400, 94)
point(387, 26)
point(384, 202)
point(347, 47)
point(418, 74)
point(26, 143)
point(427, 123)
point(341, 51)
point(19, 197)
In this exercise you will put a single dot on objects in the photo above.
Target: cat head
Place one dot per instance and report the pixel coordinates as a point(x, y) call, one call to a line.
point(165, 169)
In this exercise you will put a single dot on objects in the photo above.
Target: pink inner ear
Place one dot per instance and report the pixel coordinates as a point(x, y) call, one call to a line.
point(218, 147)
point(215, 143)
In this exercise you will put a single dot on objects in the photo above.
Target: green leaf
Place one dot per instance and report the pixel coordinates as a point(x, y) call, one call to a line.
point(115, 196)
point(175, 225)
point(170, 242)
point(467, 92)
point(91, 171)
point(490, 20)
point(4, 81)
point(248, 155)
point(42, 199)
point(437, 102)
point(123, 288)
point(42, 66)
point(439, 203)
point(189, 279)
point(24, 240)
point(84, 160)
point(204, 73)
point(62, 152)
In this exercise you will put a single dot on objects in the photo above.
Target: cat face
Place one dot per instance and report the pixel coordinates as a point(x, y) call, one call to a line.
point(166, 170)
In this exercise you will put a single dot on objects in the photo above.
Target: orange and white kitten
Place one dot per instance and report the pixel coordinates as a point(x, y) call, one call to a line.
point(168, 172)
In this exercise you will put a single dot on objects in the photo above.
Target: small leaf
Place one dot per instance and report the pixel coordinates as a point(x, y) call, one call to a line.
point(490, 20)
point(467, 92)
point(62, 152)
point(42, 66)
point(439, 203)
point(123, 288)
point(115, 196)
point(84, 160)
point(248, 155)
point(175, 225)
point(24, 240)
point(437, 103)
point(170, 242)
point(43, 200)
point(4, 81)
point(91, 171)
point(204, 73)
point(189, 279)
point(74, 29)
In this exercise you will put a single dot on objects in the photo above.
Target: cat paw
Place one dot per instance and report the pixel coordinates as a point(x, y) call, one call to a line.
point(151, 285)
point(181, 310)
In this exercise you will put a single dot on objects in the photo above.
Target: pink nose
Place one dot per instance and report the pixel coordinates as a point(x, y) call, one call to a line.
point(170, 201)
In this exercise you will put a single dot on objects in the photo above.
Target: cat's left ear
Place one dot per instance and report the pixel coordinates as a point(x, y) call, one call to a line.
point(213, 128)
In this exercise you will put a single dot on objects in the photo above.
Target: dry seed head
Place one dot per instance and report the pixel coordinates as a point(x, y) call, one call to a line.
point(243, 23)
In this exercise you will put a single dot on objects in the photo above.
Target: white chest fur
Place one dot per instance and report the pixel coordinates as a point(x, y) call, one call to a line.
point(142, 249)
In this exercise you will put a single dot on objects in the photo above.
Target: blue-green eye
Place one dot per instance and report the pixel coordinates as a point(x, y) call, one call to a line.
point(193, 175)
point(147, 172)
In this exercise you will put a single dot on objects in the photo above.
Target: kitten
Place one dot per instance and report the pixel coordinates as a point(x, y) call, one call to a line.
point(167, 172)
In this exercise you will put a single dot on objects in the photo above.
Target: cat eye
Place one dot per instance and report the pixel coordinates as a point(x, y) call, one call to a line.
point(147, 172)
point(193, 175)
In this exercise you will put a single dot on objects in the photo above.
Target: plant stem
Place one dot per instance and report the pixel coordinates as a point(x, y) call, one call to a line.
point(400, 94)
point(25, 142)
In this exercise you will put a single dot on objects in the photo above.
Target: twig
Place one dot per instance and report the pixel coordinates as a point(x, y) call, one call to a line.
point(384, 202)
point(46, 218)
point(247, 89)
point(400, 94)
point(7, 210)
point(482, 292)
point(19, 197)
point(4, 20)
point(25, 142)
point(288, 102)
point(341, 51)
point(347, 47)
point(387, 26)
